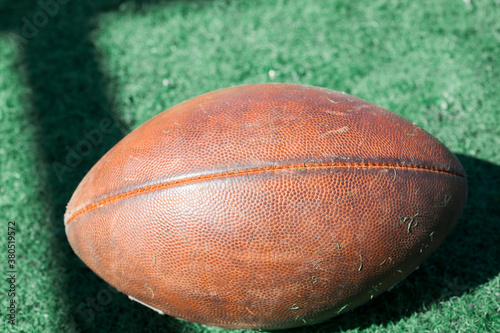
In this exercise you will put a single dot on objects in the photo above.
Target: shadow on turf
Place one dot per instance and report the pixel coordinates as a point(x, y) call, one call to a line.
point(71, 97)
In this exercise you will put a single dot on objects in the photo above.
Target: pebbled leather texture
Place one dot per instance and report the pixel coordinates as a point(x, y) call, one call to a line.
point(265, 206)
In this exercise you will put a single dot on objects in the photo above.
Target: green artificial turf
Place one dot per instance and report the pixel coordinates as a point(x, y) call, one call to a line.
point(116, 64)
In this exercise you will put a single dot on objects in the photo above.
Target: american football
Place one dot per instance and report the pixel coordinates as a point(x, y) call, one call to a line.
point(265, 206)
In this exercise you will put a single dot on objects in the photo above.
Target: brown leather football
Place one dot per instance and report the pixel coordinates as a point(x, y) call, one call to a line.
point(265, 206)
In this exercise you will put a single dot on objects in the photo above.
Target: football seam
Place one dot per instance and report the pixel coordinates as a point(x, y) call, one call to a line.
point(226, 174)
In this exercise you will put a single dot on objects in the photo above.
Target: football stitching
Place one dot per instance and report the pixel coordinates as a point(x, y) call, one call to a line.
point(301, 167)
